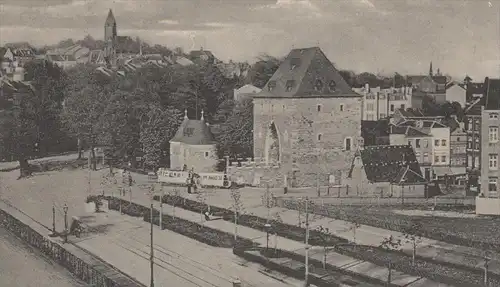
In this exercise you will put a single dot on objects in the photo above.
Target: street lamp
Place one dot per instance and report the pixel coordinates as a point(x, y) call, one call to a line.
point(65, 208)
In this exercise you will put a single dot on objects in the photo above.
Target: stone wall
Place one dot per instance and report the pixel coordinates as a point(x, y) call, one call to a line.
point(312, 133)
point(256, 173)
point(79, 263)
point(202, 158)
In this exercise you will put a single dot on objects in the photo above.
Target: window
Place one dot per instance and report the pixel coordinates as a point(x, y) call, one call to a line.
point(392, 108)
point(417, 155)
point(289, 85)
point(332, 86)
point(271, 85)
point(382, 115)
point(207, 154)
point(426, 143)
point(347, 144)
point(417, 143)
point(436, 142)
point(369, 107)
point(341, 107)
point(443, 158)
point(493, 116)
point(369, 117)
point(409, 142)
point(436, 158)
point(319, 137)
point(469, 125)
point(469, 143)
point(443, 142)
point(492, 184)
point(458, 139)
point(493, 161)
point(294, 63)
point(476, 125)
point(493, 134)
point(469, 161)
point(318, 86)
point(402, 106)
point(319, 108)
point(426, 158)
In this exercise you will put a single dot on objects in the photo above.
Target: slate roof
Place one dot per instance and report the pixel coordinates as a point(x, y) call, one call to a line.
point(23, 52)
point(194, 132)
point(306, 73)
point(395, 164)
point(409, 131)
point(440, 79)
point(374, 131)
point(492, 97)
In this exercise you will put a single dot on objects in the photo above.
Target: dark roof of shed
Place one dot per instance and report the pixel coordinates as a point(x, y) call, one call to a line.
point(395, 164)
point(194, 132)
point(299, 74)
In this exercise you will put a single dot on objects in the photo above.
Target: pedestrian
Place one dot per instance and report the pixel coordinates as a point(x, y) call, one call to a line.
point(207, 216)
point(188, 184)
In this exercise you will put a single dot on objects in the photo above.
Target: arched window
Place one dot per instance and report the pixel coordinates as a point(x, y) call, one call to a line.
point(319, 108)
point(319, 137)
point(332, 86)
point(318, 85)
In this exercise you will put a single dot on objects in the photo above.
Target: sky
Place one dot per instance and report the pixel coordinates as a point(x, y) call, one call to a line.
point(379, 36)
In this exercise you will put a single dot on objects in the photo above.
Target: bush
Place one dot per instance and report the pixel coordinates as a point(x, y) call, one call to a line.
point(187, 228)
point(282, 229)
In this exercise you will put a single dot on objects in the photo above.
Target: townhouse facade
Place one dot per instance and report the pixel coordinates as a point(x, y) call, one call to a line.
point(490, 140)
point(381, 103)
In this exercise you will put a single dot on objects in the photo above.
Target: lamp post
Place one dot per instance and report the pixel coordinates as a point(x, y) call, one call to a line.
point(65, 208)
point(306, 277)
point(53, 234)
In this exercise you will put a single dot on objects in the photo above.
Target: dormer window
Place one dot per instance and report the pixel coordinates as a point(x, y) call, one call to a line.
point(271, 85)
point(332, 86)
point(294, 63)
point(289, 85)
point(318, 85)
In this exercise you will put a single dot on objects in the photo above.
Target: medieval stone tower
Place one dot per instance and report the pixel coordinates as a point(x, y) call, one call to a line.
point(110, 37)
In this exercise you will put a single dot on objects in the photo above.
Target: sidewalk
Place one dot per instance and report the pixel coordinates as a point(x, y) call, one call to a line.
point(338, 260)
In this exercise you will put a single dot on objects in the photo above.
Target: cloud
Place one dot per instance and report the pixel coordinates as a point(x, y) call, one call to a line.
point(169, 22)
point(217, 25)
point(305, 7)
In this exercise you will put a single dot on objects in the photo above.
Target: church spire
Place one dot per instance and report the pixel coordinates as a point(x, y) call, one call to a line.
point(430, 69)
point(110, 20)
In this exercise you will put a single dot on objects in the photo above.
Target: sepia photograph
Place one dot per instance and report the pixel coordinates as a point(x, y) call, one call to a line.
point(249, 143)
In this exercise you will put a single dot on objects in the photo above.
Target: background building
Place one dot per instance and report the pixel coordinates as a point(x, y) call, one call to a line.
point(490, 139)
point(193, 147)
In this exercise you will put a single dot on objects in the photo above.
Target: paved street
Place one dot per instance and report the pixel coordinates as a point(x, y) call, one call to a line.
point(21, 266)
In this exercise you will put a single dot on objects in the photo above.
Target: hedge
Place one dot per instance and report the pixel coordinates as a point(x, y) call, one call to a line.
point(282, 229)
point(184, 227)
point(463, 231)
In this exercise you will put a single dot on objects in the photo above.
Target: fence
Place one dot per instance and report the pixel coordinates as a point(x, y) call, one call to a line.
point(84, 266)
point(386, 201)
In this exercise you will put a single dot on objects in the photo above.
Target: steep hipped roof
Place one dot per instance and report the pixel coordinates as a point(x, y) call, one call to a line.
point(395, 164)
point(110, 20)
point(306, 73)
point(492, 97)
point(194, 132)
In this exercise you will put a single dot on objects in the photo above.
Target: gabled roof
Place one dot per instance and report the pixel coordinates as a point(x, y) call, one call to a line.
point(409, 131)
point(492, 97)
point(306, 73)
point(395, 164)
point(194, 132)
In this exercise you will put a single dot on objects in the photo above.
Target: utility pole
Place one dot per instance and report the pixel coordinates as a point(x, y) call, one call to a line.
point(306, 277)
point(152, 284)
point(65, 208)
point(161, 208)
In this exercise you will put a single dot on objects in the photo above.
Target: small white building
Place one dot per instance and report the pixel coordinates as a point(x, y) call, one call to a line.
point(456, 92)
point(245, 91)
point(380, 103)
point(193, 146)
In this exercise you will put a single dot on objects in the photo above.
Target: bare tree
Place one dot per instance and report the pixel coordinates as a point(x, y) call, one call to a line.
point(276, 221)
point(268, 202)
point(175, 196)
point(326, 238)
point(410, 235)
point(237, 206)
point(201, 197)
point(354, 225)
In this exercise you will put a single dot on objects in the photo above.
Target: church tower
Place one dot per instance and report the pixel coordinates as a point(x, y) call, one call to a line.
point(110, 39)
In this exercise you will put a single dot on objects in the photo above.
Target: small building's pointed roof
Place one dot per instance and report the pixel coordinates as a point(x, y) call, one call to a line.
point(111, 18)
point(194, 132)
